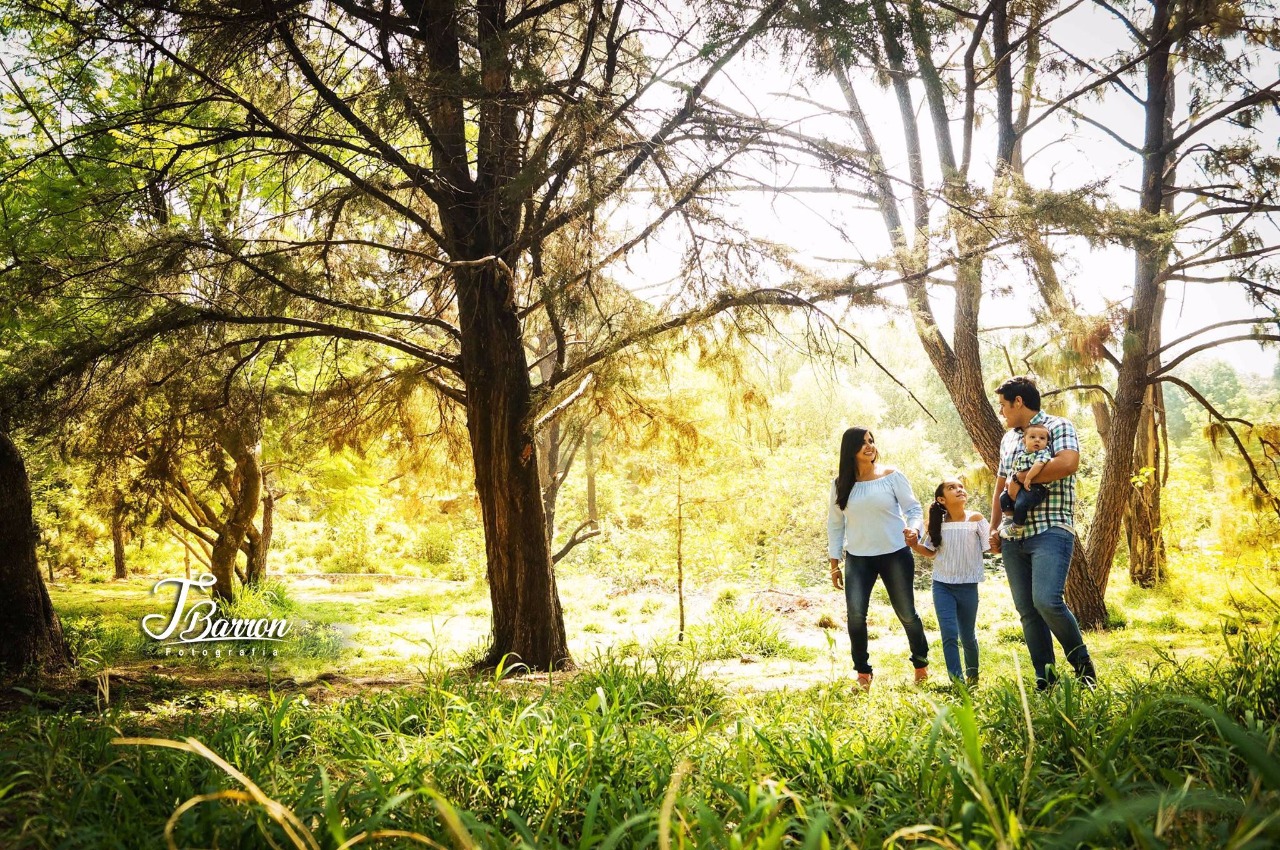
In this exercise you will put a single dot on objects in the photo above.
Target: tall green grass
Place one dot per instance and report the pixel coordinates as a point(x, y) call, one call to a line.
point(645, 752)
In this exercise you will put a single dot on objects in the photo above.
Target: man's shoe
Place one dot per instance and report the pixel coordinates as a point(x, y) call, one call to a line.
point(864, 681)
point(1086, 673)
point(922, 675)
point(1046, 682)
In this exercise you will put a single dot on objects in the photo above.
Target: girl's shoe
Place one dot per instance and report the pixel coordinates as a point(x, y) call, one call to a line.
point(922, 673)
point(864, 681)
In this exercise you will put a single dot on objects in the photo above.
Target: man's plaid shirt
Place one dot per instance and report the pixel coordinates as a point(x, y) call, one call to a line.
point(1058, 508)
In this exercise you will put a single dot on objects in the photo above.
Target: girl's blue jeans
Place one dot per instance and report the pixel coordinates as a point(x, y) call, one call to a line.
point(957, 608)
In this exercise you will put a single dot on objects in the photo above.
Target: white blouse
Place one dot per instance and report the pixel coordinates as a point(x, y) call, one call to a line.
point(959, 560)
point(874, 517)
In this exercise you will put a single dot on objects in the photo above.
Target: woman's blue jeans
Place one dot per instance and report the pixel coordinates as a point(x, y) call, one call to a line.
point(898, 570)
point(957, 608)
point(1037, 569)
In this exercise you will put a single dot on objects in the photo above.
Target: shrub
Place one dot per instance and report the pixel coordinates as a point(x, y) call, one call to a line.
point(753, 631)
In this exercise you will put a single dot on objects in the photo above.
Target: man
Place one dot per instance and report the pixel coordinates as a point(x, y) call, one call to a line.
point(1038, 554)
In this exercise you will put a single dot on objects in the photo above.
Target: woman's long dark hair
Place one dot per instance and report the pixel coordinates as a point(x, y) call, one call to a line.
point(936, 513)
point(850, 445)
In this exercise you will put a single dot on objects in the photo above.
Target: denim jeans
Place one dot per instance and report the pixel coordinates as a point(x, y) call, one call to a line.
point(897, 569)
point(1028, 498)
point(957, 608)
point(1037, 569)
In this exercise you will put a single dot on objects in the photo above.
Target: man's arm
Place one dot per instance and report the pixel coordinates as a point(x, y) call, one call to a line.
point(997, 514)
point(1064, 463)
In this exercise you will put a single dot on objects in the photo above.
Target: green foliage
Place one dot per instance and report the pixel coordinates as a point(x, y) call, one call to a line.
point(270, 599)
point(630, 748)
point(99, 640)
point(751, 631)
point(434, 544)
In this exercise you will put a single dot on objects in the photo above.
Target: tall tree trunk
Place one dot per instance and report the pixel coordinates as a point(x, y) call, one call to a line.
point(247, 491)
point(30, 634)
point(1148, 295)
point(1148, 559)
point(260, 541)
point(528, 624)
point(960, 368)
point(593, 513)
point(1143, 531)
point(117, 538)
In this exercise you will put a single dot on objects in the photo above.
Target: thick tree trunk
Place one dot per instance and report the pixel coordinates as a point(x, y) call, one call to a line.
point(30, 634)
point(528, 625)
point(1143, 531)
point(1134, 374)
point(1084, 595)
point(117, 539)
point(259, 542)
point(1143, 525)
point(247, 491)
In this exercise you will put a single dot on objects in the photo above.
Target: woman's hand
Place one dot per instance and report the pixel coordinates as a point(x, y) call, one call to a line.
point(837, 577)
point(911, 536)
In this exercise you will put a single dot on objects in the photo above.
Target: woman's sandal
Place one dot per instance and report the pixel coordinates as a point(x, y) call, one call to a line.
point(864, 681)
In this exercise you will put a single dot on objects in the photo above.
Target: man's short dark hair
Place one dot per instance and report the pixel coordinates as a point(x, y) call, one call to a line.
point(1023, 386)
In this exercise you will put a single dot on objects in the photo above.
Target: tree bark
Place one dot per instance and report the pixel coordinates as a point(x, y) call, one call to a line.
point(247, 490)
point(960, 368)
point(1143, 531)
point(117, 538)
point(259, 542)
point(1133, 378)
point(528, 624)
point(593, 513)
point(1148, 558)
point(30, 634)
point(549, 444)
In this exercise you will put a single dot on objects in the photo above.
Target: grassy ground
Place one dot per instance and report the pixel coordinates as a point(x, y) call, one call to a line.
point(748, 734)
point(754, 637)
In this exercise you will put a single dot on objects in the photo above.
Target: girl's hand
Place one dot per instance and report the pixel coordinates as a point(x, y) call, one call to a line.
point(837, 577)
point(911, 536)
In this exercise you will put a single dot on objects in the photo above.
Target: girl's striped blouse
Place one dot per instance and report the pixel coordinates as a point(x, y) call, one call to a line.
point(959, 560)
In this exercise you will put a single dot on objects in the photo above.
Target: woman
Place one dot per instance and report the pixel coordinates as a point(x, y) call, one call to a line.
point(873, 519)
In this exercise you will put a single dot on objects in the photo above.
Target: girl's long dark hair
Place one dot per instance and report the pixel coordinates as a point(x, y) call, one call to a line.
point(850, 445)
point(936, 513)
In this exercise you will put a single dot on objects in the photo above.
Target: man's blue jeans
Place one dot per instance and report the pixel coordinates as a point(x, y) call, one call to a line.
point(898, 570)
point(957, 608)
point(1037, 569)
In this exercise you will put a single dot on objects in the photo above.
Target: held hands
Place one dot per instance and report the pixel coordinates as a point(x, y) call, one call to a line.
point(837, 578)
point(911, 536)
point(994, 540)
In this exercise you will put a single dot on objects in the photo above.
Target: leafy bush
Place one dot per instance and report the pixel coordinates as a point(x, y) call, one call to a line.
point(733, 633)
point(434, 544)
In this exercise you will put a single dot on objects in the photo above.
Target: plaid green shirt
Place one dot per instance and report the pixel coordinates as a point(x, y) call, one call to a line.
point(1057, 510)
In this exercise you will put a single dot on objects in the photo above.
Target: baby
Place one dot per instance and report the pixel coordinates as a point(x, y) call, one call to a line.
point(1020, 498)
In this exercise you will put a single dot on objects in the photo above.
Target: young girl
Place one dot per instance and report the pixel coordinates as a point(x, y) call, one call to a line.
point(955, 540)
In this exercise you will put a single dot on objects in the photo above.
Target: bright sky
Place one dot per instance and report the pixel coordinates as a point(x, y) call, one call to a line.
point(823, 227)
